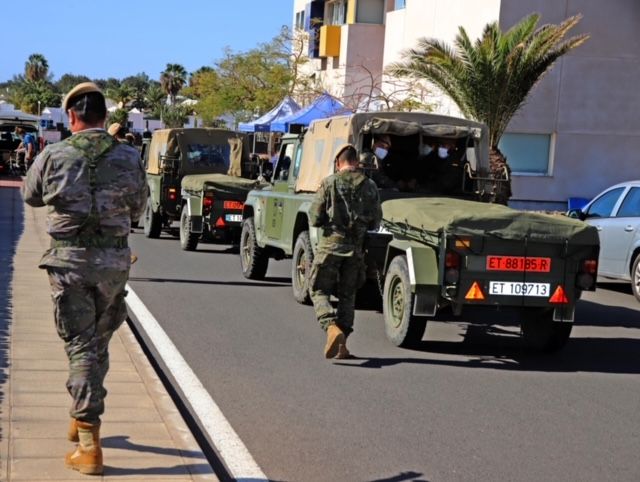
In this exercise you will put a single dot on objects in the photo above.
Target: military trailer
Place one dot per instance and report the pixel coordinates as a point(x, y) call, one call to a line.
point(195, 177)
point(440, 251)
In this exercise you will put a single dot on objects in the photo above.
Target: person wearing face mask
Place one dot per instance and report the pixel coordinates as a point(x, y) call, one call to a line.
point(377, 161)
point(451, 169)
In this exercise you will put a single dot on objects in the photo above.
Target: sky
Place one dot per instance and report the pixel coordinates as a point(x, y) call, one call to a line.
point(119, 38)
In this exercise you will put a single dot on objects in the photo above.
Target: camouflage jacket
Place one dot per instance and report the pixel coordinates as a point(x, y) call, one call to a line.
point(344, 208)
point(61, 178)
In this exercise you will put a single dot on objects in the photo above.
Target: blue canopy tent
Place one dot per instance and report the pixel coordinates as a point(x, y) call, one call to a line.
point(324, 106)
point(287, 107)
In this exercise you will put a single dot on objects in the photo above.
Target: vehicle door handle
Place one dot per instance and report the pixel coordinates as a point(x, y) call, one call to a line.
point(629, 229)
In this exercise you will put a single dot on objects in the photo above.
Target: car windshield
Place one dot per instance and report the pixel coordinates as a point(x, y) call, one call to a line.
point(208, 155)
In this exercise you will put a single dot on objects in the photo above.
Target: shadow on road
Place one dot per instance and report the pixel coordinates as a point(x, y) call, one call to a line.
point(409, 476)
point(11, 227)
point(210, 282)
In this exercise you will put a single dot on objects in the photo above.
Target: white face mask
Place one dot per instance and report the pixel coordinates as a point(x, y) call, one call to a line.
point(380, 153)
point(426, 150)
point(443, 152)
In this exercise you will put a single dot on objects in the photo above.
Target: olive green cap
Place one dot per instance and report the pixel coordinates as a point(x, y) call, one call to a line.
point(80, 89)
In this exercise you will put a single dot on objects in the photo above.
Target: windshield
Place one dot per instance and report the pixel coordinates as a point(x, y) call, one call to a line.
point(209, 155)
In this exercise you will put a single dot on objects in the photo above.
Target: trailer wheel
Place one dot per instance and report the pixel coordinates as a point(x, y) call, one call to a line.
point(401, 327)
point(253, 259)
point(188, 240)
point(301, 268)
point(541, 333)
point(152, 221)
point(635, 277)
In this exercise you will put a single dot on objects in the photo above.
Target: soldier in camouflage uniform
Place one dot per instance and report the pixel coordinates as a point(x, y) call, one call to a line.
point(344, 208)
point(93, 187)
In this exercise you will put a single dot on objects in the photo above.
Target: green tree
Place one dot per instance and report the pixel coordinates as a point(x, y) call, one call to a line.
point(122, 95)
point(69, 81)
point(121, 116)
point(155, 99)
point(172, 80)
point(106, 84)
point(139, 85)
point(490, 79)
point(35, 96)
point(175, 115)
point(36, 68)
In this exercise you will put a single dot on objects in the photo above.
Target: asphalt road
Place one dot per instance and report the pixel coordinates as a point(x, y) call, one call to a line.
point(470, 404)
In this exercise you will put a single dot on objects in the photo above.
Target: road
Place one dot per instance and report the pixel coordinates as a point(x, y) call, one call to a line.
point(470, 404)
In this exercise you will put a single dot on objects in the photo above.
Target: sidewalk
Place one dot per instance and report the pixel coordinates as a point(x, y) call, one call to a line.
point(144, 436)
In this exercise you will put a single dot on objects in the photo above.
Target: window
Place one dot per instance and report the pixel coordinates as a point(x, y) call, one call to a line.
point(631, 205)
point(300, 20)
point(603, 206)
point(400, 4)
point(209, 155)
point(527, 153)
point(336, 13)
point(370, 12)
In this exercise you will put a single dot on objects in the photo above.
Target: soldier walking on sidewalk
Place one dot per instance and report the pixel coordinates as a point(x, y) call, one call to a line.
point(93, 186)
point(344, 208)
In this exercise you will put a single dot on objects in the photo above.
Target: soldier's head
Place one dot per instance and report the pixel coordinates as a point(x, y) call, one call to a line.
point(85, 105)
point(346, 158)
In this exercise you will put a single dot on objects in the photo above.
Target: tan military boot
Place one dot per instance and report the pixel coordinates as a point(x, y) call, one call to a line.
point(335, 337)
point(343, 353)
point(87, 458)
point(72, 434)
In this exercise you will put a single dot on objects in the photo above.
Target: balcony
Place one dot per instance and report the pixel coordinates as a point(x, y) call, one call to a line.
point(330, 40)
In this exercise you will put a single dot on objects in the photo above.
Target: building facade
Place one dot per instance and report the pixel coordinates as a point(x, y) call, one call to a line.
point(577, 133)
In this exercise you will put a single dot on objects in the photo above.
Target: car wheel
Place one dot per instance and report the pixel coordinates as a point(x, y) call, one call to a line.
point(635, 277)
point(401, 326)
point(253, 259)
point(188, 240)
point(541, 333)
point(152, 221)
point(301, 268)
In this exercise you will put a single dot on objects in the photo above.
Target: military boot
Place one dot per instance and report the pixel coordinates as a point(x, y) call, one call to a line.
point(72, 433)
point(335, 338)
point(343, 353)
point(87, 458)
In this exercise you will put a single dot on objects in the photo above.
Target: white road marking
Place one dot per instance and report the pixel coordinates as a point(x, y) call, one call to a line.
point(234, 454)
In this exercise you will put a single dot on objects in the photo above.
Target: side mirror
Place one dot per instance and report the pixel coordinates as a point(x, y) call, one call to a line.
point(576, 214)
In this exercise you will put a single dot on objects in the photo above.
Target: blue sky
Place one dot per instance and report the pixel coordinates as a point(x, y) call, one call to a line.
point(118, 38)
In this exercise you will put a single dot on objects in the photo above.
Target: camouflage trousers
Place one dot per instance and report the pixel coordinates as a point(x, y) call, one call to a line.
point(340, 276)
point(88, 307)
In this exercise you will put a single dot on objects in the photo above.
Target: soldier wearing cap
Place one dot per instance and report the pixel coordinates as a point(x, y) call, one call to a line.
point(117, 131)
point(93, 187)
point(345, 206)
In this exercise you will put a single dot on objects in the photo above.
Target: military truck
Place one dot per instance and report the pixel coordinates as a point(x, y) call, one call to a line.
point(440, 251)
point(198, 178)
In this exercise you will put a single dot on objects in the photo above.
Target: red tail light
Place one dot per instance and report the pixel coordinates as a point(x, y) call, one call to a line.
point(590, 266)
point(172, 194)
point(451, 260)
point(207, 202)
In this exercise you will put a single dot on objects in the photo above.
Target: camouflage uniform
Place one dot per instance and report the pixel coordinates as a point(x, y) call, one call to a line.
point(344, 208)
point(94, 187)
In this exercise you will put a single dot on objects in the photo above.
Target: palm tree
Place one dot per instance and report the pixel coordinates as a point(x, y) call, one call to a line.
point(154, 100)
point(172, 79)
point(122, 95)
point(490, 79)
point(36, 68)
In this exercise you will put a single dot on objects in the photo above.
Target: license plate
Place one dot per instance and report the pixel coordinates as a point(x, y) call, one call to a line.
point(518, 263)
point(236, 205)
point(234, 218)
point(514, 288)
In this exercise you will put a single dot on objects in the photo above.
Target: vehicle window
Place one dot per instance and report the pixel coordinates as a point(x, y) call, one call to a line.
point(296, 165)
point(208, 155)
point(631, 205)
point(284, 163)
point(603, 206)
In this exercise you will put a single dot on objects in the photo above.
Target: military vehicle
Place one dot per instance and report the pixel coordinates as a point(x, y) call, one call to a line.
point(439, 251)
point(195, 177)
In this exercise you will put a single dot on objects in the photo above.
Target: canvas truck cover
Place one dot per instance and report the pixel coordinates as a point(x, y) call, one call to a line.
point(324, 136)
point(222, 183)
point(199, 150)
point(438, 214)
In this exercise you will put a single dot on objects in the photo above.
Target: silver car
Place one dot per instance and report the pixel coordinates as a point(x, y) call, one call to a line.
point(616, 214)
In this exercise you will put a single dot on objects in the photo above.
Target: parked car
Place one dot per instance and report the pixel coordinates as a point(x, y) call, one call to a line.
point(9, 120)
point(616, 214)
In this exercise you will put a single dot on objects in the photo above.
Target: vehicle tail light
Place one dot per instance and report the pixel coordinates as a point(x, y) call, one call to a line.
point(587, 274)
point(220, 223)
point(559, 296)
point(463, 243)
point(172, 194)
point(207, 204)
point(452, 267)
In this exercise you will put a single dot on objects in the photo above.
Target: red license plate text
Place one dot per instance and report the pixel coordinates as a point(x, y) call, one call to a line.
point(518, 263)
point(237, 205)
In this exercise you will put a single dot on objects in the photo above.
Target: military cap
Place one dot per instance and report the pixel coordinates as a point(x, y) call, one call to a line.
point(342, 148)
point(80, 89)
point(114, 128)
